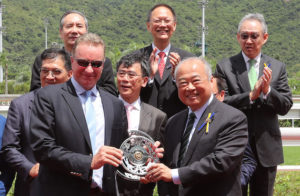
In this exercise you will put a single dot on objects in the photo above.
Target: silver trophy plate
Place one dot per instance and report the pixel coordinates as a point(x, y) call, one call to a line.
point(138, 155)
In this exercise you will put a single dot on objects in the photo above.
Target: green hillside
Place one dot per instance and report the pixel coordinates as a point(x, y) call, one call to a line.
point(121, 23)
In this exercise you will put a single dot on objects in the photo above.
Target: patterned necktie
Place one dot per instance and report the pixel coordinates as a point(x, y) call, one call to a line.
point(129, 108)
point(90, 117)
point(161, 65)
point(252, 73)
point(185, 138)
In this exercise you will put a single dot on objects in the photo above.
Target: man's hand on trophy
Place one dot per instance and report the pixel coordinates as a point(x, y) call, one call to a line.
point(156, 172)
point(107, 155)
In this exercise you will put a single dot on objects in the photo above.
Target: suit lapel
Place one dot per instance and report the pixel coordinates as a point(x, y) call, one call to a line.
point(181, 127)
point(263, 60)
point(240, 69)
point(70, 96)
point(145, 118)
point(200, 131)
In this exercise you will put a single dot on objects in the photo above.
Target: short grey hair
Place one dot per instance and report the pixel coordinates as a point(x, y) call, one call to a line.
point(90, 38)
point(254, 16)
point(199, 61)
point(61, 24)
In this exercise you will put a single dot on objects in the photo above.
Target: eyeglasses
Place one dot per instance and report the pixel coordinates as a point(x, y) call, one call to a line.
point(253, 36)
point(159, 21)
point(54, 72)
point(85, 63)
point(131, 74)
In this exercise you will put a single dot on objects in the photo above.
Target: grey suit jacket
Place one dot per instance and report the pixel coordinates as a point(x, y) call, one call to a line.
point(16, 147)
point(61, 143)
point(152, 121)
point(162, 93)
point(211, 165)
point(262, 115)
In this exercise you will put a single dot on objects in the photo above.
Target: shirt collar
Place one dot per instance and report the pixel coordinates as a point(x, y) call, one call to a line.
point(246, 59)
point(201, 110)
point(136, 104)
point(166, 50)
point(80, 90)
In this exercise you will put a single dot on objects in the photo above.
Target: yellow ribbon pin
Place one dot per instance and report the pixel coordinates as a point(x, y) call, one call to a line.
point(208, 120)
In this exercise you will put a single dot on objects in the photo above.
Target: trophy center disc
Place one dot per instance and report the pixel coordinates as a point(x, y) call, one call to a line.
point(138, 155)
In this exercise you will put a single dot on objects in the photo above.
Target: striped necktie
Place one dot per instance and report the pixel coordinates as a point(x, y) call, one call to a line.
point(185, 138)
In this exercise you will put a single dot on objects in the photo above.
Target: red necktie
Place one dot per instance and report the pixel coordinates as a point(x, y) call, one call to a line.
point(161, 65)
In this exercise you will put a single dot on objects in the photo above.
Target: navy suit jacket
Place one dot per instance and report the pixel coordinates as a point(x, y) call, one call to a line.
point(61, 143)
point(262, 115)
point(16, 147)
point(211, 165)
point(6, 173)
point(162, 93)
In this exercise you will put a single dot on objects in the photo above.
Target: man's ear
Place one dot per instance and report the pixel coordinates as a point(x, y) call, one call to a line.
point(144, 81)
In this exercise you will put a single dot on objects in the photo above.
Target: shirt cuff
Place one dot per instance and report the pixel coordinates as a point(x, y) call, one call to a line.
point(175, 176)
point(265, 95)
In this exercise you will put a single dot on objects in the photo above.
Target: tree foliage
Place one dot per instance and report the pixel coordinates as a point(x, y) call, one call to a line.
point(122, 24)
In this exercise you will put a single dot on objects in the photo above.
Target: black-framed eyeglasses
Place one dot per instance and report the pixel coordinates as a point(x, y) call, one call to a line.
point(54, 72)
point(85, 63)
point(246, 36)
point(131, 74)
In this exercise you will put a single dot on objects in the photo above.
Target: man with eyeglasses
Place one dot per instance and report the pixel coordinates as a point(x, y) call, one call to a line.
point(132, 75)
point(16, 151)
point(72, 25)
point(77, 128)
point(257, 85)
point(161, 90)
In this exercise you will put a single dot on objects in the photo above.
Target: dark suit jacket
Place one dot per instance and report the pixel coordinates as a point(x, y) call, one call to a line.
point(162, 93)
point(16, 147)
point(211, 165)
point(7, 174)
point(152, 122)
point(106, 80)
point(264, 132)
point(61, 143)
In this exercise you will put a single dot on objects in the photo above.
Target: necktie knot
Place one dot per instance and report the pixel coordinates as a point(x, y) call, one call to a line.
point(252, 62)
point(192, 116)
point(161, 54)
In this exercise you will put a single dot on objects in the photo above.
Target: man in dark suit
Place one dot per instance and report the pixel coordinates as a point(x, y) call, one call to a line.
point(161, 90)
point(205, 143)
point(248, 162)
point(257, 85)
point(73, 24)
point(132, 75)
point(77, 129)
point(16, 151)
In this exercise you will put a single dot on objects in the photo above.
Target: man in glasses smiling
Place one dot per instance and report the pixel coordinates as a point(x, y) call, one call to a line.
point(257, 85)
point(77, 128)
point(161, 90)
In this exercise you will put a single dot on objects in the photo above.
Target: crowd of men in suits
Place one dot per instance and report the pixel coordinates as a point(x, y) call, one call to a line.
point(214, 135)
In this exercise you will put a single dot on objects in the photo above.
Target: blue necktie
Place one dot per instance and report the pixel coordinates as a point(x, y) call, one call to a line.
point(90, 117)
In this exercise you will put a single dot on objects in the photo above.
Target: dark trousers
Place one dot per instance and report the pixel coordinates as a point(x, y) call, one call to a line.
point(262, 181)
